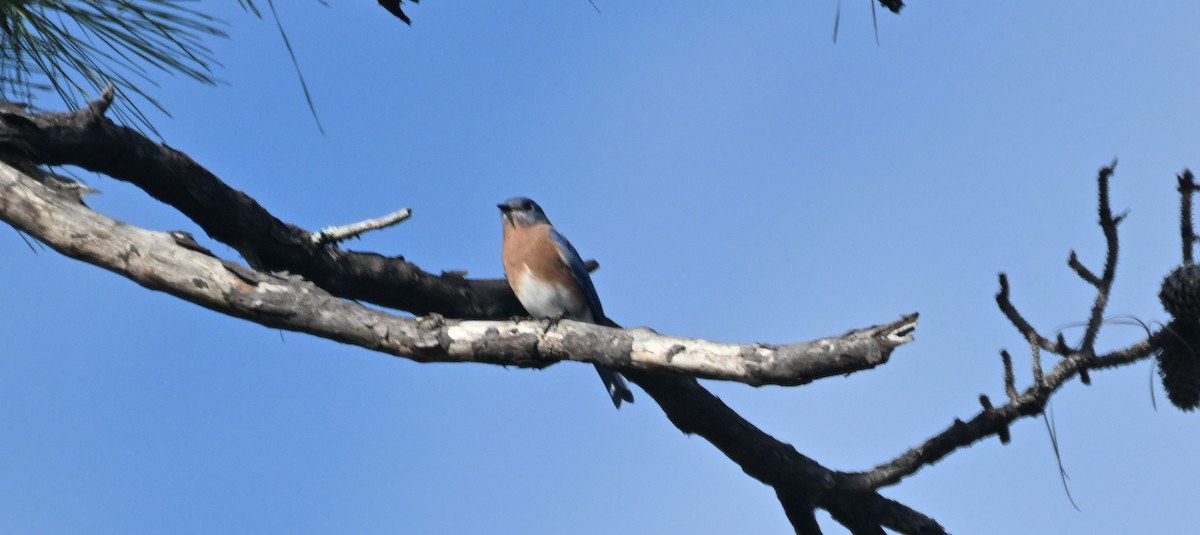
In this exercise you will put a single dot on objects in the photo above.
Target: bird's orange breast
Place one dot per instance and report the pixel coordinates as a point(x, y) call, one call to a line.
point(531, 249)
point(537, 273)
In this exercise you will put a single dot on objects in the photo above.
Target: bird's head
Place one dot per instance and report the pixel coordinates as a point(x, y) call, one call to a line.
point(522, 211)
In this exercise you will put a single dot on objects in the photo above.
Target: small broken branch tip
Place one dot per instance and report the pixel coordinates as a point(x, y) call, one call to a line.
point(337, 234)
point(100, 106)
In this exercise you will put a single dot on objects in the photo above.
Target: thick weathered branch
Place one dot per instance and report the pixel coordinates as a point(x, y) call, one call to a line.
point(173, 263)
point(87, 139)
point(800, 481)
point(157, 261)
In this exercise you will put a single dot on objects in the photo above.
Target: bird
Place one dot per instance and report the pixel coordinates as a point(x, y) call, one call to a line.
point(549, 277)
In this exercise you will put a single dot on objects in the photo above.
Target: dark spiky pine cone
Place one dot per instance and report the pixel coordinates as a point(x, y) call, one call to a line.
point(1180, 293)
point(1179, 363)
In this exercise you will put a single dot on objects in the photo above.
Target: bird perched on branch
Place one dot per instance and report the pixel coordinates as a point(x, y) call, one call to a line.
point(550, 278)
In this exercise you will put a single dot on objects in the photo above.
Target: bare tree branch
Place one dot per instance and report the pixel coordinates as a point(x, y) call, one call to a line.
point(1179, 358)
point(800, 482)
point(311, 283)
point(89, 140)
point(1109, 226)
point(157, 261)
point(1023, 326)
point(996, 420)
point(173, 263)
point(1081, 270)
point(340, 233)
point(393, 7)
point(1010, 387)
point(1187, 185)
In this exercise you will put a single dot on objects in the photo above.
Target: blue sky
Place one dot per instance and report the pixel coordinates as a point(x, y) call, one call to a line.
point(739, 176)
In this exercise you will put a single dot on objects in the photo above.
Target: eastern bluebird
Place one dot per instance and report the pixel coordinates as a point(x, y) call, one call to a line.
point(550, 278)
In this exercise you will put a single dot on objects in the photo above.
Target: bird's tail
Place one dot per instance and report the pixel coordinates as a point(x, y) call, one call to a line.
point(617, 388)
point(613, 381)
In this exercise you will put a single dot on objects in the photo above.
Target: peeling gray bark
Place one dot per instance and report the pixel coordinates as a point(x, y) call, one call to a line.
point(160, 262)
point(31, 201)
point(299, 284)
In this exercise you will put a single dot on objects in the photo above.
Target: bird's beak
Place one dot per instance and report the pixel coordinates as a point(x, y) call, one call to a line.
point(504, 208)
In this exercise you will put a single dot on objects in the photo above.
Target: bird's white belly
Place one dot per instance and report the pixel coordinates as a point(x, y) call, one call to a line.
point(549, 300)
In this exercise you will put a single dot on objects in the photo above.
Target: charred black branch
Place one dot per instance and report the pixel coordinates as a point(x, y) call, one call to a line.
point(1187, 186)
point(996, 420)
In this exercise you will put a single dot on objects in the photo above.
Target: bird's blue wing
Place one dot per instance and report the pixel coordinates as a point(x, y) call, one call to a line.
point(617, 388)
point(579, 270)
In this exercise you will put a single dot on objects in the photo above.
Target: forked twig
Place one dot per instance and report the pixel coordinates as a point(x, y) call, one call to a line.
point(1032, 402)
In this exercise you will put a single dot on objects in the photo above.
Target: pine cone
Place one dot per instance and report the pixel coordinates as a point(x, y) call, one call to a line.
point(1180, 293)
point(1179, 363)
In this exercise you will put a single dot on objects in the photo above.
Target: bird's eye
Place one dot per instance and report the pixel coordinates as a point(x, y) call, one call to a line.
point(527, 206)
